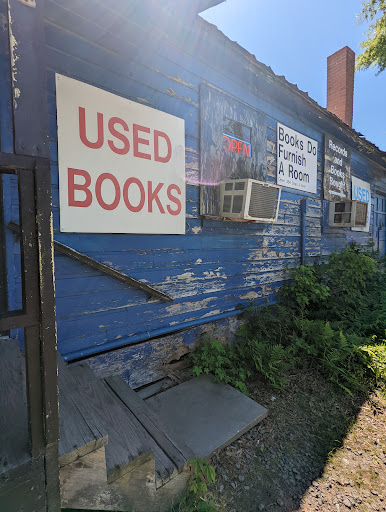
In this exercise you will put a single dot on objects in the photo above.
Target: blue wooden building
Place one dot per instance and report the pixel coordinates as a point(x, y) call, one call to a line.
point(165, 57)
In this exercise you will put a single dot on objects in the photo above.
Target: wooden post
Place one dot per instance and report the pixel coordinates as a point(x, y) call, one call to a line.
point(30, 131)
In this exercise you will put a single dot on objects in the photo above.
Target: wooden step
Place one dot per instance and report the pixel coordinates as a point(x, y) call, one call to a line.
point(14, 436)
point(79, 433)
point(150, 422)
point(123, 425)
point(127, 447)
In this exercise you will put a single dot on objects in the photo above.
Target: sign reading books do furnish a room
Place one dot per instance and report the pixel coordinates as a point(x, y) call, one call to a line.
point(297, 160)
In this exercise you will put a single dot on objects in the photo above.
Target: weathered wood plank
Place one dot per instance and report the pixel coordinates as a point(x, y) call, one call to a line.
point(130, 445)
point(127, 447)
point(23, 488)
point(83, 484)
point(150, 421)
point(83, 258)
point(79, 434)
point(14, 436)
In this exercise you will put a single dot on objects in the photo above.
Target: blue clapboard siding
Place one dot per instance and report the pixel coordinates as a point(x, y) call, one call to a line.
point(217, 264)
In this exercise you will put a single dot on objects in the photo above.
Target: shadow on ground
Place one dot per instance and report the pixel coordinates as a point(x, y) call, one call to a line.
point(308, 455)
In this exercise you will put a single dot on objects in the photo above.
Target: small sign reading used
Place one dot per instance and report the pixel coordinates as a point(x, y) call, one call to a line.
point(297, 156)
point(337, 157)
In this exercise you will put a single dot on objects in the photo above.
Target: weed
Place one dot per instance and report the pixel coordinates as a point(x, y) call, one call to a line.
point(222, 362)
point(374, 358)
point(202, 474)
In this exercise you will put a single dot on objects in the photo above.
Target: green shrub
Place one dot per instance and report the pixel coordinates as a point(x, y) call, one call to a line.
point(268, 360)
point(329, 315)
point(319, 344)
point(271, 324)
point(307, 291)
point(373, 358)
point(352, 277)
point(222, 362)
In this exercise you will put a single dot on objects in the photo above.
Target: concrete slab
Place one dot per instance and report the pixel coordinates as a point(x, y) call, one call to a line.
point(205, 415)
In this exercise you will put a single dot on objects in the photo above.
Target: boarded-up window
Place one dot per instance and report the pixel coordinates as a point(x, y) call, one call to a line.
point(233, 144)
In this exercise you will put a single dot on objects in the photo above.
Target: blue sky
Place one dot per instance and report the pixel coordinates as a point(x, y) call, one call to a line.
point(295, 38)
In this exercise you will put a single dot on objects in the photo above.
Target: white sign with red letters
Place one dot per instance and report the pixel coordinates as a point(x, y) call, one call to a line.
point(121, 164)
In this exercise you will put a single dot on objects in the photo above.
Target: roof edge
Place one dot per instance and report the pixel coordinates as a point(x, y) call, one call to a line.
point(360, 139)
point(203, 5)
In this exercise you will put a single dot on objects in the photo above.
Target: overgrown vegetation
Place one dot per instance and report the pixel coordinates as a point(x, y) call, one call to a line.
point(202, 475)
point(222, 362)
point(329, 319)
point(330, 316)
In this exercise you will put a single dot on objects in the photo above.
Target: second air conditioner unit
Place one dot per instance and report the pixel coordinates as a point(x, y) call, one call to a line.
point(249, 199)
point(347, 214)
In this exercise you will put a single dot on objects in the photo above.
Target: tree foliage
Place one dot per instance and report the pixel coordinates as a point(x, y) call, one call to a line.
point(374, 47)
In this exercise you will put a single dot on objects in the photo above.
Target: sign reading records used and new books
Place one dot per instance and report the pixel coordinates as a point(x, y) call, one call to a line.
point(297, 156)
point(121, 164)
point(337, 157)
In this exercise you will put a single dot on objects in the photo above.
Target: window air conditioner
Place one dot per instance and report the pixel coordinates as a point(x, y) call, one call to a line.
point(347, 214)
point(249, 199)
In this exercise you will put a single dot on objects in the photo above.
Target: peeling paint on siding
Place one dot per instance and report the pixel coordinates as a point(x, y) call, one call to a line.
point(177, 309)
point(14, 59)
point(250, 296)
point(180, 81)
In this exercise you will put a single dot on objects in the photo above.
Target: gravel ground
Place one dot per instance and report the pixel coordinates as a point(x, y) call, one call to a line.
point(318, 450)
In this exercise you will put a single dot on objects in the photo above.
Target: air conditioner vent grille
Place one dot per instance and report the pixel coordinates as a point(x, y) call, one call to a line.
point(361, 214)
point(263, 201)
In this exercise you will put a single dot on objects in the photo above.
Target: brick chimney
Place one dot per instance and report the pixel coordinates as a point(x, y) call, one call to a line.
point(340, 84)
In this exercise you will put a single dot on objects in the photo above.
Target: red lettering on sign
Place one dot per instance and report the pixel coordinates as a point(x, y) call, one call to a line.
point(82, 130)
point(137, 140)
point(72, 186)
point(120, 136)
point(236, 145)
point(157, 157)
point(227, 140)
point(153, 196)
point(125, 194)
point(98, 191)
point(174, 199)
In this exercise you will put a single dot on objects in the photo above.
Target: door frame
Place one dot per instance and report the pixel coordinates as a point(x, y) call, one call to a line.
point(37, 316)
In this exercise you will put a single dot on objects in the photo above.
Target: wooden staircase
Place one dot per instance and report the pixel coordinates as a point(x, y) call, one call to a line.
point(114, 453)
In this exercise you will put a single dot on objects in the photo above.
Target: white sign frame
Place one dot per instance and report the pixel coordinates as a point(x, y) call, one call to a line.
point(361, 191)
point(297, 160)
point(126, 158)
